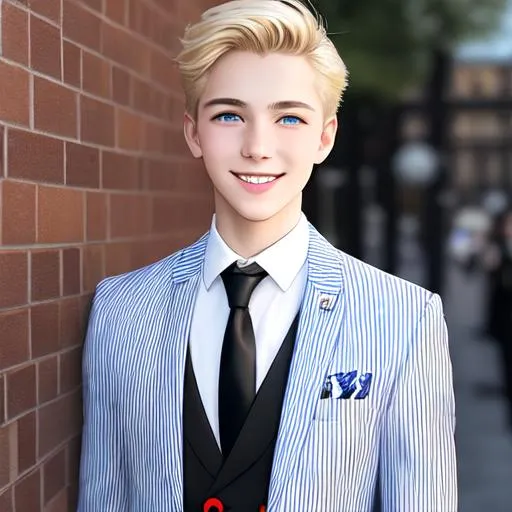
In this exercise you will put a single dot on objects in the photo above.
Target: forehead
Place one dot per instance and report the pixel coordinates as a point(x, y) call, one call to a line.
point(262, 79)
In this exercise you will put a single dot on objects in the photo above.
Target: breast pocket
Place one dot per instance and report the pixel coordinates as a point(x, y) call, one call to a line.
point(341, 451)
point(349, 411)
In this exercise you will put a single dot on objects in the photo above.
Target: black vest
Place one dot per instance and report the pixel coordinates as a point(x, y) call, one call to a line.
point(241, 482)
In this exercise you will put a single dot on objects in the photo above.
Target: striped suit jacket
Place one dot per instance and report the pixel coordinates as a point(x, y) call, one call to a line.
point(354, 318)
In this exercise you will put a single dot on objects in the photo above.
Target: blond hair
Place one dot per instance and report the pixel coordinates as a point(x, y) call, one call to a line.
point(260, 26)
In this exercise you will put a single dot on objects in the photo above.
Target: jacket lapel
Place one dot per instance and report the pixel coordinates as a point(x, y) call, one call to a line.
point(321, 316)
point(177, 315)
point(197, 428)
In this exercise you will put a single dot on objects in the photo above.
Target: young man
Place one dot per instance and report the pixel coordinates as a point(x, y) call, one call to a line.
point(261, 368)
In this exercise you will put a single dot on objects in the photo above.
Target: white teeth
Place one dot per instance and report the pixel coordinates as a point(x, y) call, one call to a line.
point(257, 180)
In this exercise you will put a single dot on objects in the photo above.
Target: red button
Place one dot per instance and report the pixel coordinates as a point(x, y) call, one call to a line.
point(262, 508)
point(213, 505)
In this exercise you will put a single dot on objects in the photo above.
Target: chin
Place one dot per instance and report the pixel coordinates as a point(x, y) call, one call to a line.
point(258, 215)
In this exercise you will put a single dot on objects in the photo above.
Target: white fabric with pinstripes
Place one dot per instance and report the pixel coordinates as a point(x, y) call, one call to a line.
point(327, 450)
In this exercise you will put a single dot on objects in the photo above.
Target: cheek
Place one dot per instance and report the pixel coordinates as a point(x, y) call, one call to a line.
point(216, 146)
point(302, 146)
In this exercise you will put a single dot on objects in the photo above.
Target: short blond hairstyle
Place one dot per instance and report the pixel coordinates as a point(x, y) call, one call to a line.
point(261, 27)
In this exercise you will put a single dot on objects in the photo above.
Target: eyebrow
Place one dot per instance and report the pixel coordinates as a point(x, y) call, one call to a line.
point(279, 105)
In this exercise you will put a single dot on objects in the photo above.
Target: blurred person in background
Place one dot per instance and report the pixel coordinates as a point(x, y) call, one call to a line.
point(498, 262)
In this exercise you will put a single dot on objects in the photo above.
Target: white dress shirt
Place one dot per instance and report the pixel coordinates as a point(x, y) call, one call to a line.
point(273, 306)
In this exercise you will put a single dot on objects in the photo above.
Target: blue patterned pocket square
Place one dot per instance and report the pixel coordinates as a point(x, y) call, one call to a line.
point(347, 385)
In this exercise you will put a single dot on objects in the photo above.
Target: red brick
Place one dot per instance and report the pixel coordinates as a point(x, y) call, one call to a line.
point(70, 370)
point(45, 55)
point(47, 8)
point(98, 123)
point(166, 34)
point(2, 401)
point(171, 6)
point(142, 92)
point(96, 216)
point(165, 107)
point(119, 258)
point(14, 346)
point(35, 157)
point(14, 34)
point(124, 48)
point(18, 213)
point(71, 271)
point(82, 166)
point(21, 391)
point(175, 144)
point(53, 226)
point(48, 379)
point(116, 11)
point(93, 267)
point(81, 26)
point(130, 130)
point(93, 4)
point(163, 70)
point(60, 503)
point(121, 86)
point(2, 146)
point(129, 215)
point(72, 64)
point(58, 421)
point(6, 500)
point(54, 475)
point(27, 492)
point(168, 213)
point(72, 322)
point(96, 75)
point(13, 279)
point(121, 172)
point(14, 100)
point(8, 465)
point(45, 275)
point(161, 176)
point(27, 441)
point(45, 329)
point(154, 140)
point(55, 108)
point(141, 18)
point(74, 452)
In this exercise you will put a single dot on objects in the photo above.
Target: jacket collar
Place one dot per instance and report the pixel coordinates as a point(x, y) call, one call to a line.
point(325, 262)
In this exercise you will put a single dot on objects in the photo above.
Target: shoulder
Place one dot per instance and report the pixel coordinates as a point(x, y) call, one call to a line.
point(150, 279)
point(376, 292)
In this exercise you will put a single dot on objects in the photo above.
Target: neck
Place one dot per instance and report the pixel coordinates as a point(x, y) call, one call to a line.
point(247, 237)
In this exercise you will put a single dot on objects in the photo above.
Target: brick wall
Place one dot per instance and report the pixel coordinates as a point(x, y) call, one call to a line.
point(95, 179)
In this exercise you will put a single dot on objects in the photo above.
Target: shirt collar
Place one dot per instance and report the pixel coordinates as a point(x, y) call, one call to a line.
point(282, 260)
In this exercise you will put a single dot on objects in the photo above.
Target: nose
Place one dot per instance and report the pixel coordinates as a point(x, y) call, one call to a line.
point(258, 142)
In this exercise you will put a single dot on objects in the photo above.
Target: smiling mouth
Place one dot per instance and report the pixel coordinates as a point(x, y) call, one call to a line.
point(257, 179)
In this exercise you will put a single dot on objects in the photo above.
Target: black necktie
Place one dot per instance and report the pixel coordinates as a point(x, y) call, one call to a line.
point(237, 379)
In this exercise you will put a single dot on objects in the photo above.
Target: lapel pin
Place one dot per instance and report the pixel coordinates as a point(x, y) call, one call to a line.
point(326, 302)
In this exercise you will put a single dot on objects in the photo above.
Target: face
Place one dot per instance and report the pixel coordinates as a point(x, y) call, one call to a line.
point(260, 127)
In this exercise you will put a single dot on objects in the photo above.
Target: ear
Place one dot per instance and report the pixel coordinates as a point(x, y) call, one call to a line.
point(191, 135)
point(327, 139)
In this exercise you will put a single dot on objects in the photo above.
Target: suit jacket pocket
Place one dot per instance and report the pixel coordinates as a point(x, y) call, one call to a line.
point(349, 412)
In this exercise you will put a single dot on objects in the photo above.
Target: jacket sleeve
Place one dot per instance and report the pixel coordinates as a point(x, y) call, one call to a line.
point(418, 461)
point(102, 482)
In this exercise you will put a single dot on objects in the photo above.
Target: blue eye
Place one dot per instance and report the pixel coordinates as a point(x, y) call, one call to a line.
point(291, 120)
point(227, 118)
